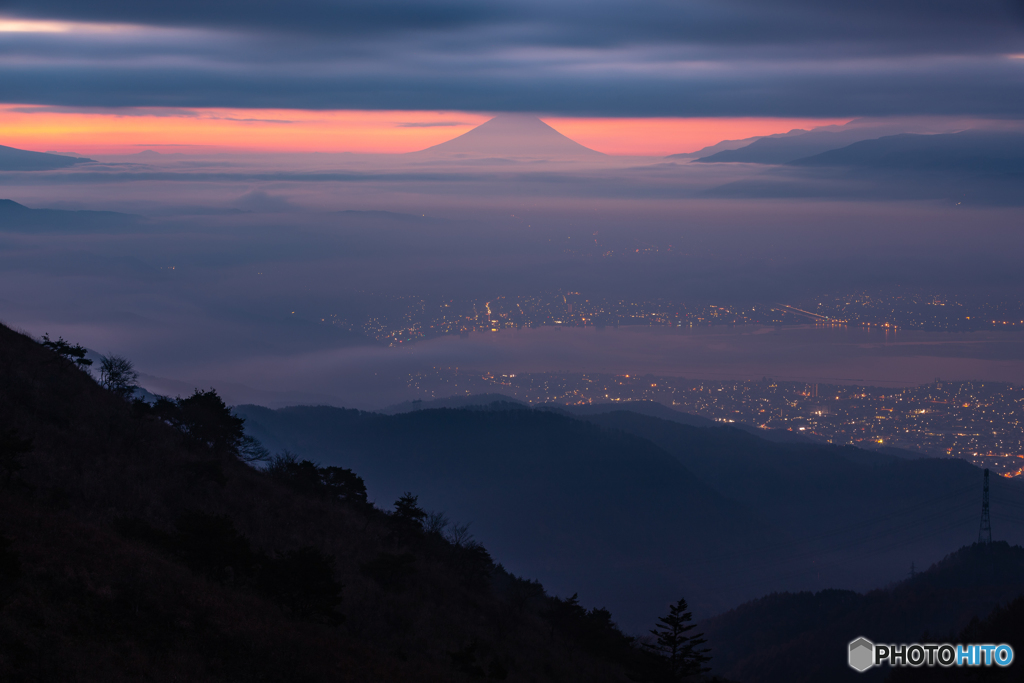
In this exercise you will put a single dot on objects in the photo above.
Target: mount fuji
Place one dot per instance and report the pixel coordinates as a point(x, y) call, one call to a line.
point(512, 136)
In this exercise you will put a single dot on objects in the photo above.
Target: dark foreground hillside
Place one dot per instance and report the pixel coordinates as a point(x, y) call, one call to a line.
point(802, 637)
point(129, 553)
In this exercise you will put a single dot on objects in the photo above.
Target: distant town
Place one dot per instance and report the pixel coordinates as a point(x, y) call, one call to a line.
point(979, 422)
point(401, 320)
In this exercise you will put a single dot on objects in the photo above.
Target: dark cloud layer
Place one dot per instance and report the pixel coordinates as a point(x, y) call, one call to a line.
point(609, 57)
point(574, 22)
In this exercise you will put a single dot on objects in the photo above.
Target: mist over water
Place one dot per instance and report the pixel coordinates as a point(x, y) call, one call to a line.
point(372, 377)
point(264, 275)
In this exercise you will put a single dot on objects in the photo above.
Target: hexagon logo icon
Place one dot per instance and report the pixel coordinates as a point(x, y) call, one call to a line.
point(862, 654)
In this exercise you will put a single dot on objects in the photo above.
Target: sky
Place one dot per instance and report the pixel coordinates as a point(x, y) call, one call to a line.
point(657, 77)
point(785, 59)
point(114, 130)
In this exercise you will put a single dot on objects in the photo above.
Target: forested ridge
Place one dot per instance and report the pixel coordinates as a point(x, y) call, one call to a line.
point(136, 544)
point(973, 595)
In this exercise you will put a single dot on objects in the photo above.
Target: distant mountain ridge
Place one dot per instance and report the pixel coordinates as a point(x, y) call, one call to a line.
point(473, 400)
point(979, 167)
point(782, 150)
point(722, 146)
point(12, 159)
point(809, 515)
point(15, 217)
point(512, 136)
point(729, 145)
point(970, 151)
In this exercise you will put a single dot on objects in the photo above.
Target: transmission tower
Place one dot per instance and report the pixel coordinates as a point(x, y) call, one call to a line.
point(985, 535)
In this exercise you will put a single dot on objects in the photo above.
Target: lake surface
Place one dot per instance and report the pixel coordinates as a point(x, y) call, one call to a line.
point(369, 377)
point(807, 353)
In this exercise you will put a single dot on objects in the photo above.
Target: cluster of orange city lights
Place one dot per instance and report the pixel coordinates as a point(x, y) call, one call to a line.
point(125, 131)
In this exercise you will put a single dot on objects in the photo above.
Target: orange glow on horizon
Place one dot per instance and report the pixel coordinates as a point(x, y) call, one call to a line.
point(664, 136)
point(227, 130)
point(112, 131)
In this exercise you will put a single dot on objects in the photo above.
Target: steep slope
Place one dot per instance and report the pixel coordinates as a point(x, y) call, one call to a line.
point(512, 136)
point(801, 637)
point(134, 550)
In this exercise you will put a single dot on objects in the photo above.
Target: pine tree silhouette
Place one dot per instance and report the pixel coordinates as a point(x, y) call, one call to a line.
point(64, 349)
point(682, 650)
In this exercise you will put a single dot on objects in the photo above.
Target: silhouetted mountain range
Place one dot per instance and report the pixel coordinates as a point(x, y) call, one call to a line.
point(802, 637)
point(722, 146)
point(970, 167)
point(591, 507)
point(12, 159)
point(784, 149)
point(676, 507)
point(15, 217)
point(969, 151)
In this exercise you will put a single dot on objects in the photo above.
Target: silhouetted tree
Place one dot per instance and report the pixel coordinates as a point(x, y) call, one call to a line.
point(205, 420)
point(473, 563)
point(251, 450)
point(299, 474)
point(64, 349)
point(118, 376)
point(12, 447)
point(594, 631)
point(407, 510)
point(436, 523)
point(344, 484)
point(308, 477)
point(458, 535)
point(674, 642)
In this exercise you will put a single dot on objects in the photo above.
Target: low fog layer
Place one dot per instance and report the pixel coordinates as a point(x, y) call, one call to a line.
point(251, 271)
